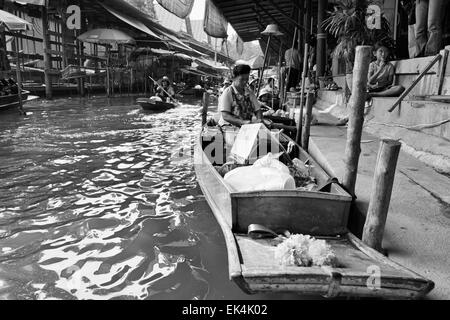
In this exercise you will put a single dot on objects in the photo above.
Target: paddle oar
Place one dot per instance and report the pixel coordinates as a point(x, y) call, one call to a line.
point(170, 96)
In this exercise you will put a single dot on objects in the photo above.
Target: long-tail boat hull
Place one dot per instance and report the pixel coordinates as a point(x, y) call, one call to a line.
point(361, 271)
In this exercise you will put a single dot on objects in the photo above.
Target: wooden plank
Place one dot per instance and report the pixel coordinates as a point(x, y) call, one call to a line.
point(263, 272)
point(421, 75)
point(23, 36)
point(53, 52)
point(31, 56)
point(442, 71)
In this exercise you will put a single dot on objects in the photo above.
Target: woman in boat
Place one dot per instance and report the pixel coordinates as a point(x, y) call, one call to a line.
point(165, 91)
point(237, 103)
point(270, 86)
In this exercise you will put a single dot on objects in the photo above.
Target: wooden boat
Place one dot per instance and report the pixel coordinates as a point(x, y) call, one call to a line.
point(12, 100)
point(153, 105)
point(251, 262)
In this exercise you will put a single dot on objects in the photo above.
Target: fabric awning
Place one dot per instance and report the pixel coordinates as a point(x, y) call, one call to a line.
point(131, 21)
point(211, 64)
point(13, 23)
point(254, 63)
point(35, 2)
point(198, 72)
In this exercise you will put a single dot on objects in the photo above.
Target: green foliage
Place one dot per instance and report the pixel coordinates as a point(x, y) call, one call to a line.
point(348, 24)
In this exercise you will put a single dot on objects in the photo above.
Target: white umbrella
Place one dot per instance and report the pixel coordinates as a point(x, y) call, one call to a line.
point(106, 36)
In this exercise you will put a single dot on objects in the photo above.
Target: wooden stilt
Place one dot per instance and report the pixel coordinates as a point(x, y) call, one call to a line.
point(205, 104)
point(18, 75)
point(356, 116)
point(47, 57)
point(381, 193)
point(308, 118)
point(321, 38)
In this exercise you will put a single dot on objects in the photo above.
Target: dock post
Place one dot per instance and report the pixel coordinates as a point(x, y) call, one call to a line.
point(356, 116)
point(47, 56)
point(381, 193)
point(308, 118)
point(205, 104)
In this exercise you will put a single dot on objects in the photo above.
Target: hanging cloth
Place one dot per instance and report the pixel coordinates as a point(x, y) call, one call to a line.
point(239, 46)
point(214, 24)
point(180, 8)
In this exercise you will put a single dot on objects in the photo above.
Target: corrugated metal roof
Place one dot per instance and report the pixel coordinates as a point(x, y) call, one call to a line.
point(250, 17)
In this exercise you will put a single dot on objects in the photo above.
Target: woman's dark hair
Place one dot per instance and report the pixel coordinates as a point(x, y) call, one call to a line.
point(241, 69)
point(380, 44)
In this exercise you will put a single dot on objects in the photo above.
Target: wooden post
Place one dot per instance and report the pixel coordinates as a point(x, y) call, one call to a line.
point(80, 62)
point(205, 104)
point(47, 57)
point(356, 116)
point(108, 84)
point(302, 93)
point(381, 193)
point(18, 74)
point(132, 79)
point(308, 118)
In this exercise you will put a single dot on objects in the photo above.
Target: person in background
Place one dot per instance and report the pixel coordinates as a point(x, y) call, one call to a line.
point(381, 75)
point(226, 83)
point(429, 14)
point(293, 60)
point(380, 79)
point(237, 103)
point(165, 91)
point(270, 86)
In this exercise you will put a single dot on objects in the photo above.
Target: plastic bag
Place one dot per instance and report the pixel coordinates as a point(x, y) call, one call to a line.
point(251, 178)
point(271, 161)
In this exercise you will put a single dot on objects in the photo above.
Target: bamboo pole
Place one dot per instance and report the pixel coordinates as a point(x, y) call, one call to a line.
point(308, 118)
point(381, 193)
point(264, 65)
point(356, 116)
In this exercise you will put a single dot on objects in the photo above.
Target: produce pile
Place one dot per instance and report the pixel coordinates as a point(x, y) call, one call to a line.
point(304, 251)
point(302, 176)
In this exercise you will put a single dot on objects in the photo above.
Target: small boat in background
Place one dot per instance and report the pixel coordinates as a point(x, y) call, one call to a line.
point(11, 101)
point(155, 104)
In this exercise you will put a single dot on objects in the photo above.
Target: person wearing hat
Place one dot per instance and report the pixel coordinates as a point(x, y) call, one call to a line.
point(226, 83)
point(237, 103)
point(264, 98)
point(165, 91)
point(270, 84)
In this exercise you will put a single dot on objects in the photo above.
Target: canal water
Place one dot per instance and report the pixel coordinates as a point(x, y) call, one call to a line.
point(99, 200)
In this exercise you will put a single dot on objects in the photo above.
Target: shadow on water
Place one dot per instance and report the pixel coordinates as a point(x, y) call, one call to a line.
point(95, 204)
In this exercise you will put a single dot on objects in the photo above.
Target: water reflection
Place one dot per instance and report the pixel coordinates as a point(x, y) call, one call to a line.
point(93, 205)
